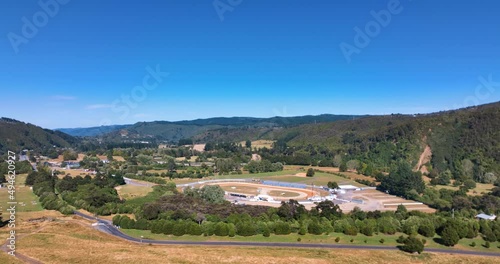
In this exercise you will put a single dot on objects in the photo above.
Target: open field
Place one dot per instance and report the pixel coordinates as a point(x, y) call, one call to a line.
point(353, 175)
point(238, 188)
point(296, 176)
point(26, 199)
point(377, 200)
point(480, 189)
point(77, 242)
point(390, 240)
point(284, 194)
point(261, 143)
point(73, 172)
point(273, 191)
point(60, 158)
point(6, 258)
point(129, 191)
point(192, 159)
point(118, 158)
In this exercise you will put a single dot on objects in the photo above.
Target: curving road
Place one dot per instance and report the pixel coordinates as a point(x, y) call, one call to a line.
point(107, 227)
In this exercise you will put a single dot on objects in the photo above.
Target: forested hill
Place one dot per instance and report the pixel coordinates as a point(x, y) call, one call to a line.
point(16, 135)
point(91, 131)
point(466, 139)
point(174, 131)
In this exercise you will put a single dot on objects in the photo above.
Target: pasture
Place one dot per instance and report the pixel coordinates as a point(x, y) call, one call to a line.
point(77, 242)
point(24, 196)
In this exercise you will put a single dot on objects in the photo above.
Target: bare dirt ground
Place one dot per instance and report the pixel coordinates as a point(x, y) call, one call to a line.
point(199, 147)
point(377, 200)
point(256, 157)
point(424, 158)
point(250, 188)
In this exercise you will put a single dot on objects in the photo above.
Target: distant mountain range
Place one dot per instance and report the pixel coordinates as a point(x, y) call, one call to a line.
point(173, 131)
point(439, 140)
point(91, 131)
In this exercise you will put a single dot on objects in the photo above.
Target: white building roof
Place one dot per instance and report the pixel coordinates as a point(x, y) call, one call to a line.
point(486, 217)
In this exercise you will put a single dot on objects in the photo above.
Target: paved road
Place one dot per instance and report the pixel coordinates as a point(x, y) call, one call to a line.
point(107, 227)
point(137, 183)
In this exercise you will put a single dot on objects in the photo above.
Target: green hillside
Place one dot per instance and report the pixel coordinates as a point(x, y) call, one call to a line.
point(453, 137)
point(199, 128)
point(16, 135)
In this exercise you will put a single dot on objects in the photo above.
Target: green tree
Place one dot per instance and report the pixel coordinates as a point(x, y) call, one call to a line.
point(70, 155)
point(426, 228)
point(310, 172)
point(412, 245)
point(449, 236)
point(332, 185)
point(212, 194)
point(343, 167)
point(248, 144)
point(402, 180)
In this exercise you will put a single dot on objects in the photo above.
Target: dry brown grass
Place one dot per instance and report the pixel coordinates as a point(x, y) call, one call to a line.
point(72, 240)
point(6, 258)
point(132, 191)
point(73, 173)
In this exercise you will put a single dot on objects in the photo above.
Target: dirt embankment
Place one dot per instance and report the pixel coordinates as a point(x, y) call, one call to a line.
point(425, 157)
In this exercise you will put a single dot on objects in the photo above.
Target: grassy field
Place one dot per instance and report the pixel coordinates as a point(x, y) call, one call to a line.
point(192, 159)
point(390, 240)
point(258, 144)
point(481, 188)
point(72, 240)
point(6, 258)
point(241, 189)
point(320, 178)
point(283, 194)
point(26, 199)
point(131, 191)
point(72, 173)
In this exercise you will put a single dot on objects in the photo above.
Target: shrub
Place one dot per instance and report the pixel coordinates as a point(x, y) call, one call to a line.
point(427, 230)
point(315, 228)
point(232, 230)
point(381, 241)
point(299, 239)
point(337, 239)
point(473, 244)
point(401, 239)
point(302, 230)
point(282, 228)
point(221, 229)
point(412, 245)
point(351, 230)
point(266, 232)
point(487, 244)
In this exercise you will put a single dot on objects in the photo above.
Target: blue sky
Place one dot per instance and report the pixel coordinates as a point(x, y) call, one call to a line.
point(264, 58)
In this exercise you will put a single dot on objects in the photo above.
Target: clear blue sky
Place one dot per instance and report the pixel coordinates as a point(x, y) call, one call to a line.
point(265, 58)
